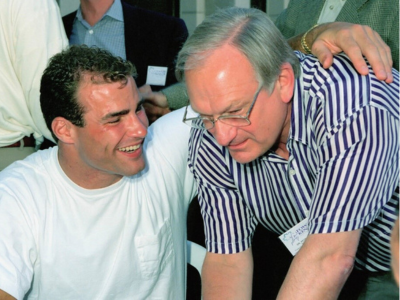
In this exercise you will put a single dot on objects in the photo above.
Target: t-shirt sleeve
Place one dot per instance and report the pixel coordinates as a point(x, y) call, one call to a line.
point(17, 246)
point(169, 138)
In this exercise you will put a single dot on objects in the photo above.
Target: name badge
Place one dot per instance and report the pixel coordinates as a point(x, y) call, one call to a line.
point(156, 75)
point(295, 237)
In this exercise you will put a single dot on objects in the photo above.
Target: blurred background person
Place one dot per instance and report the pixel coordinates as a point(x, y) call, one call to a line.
point(381, 16)
point(31, 32)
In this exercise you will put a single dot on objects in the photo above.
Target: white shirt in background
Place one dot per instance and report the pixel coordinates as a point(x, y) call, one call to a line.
point(31, 31)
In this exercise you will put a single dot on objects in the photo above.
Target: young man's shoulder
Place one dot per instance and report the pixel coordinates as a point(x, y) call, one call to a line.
point(36, 166)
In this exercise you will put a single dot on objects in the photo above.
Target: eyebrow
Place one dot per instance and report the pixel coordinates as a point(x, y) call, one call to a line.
point(226, 109)
point(116, 114)
point(122, 112)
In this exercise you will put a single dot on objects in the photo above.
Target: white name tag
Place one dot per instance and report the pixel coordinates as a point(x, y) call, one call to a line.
point(295, 237)
point(156, 75)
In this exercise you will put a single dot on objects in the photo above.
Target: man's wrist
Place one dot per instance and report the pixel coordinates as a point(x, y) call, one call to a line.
point(304, 45)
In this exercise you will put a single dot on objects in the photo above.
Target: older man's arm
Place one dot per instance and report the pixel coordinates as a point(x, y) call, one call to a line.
point(321, 267)
point(228, 276)
point(5, 296)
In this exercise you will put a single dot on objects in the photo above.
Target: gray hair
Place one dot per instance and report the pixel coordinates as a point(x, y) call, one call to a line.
point(251, 32)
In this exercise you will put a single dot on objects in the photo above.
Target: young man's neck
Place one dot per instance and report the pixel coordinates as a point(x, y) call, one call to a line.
point(79, 173)
point(94, 10)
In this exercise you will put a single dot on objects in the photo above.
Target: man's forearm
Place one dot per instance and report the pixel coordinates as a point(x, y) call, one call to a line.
point(5, 296)
point(227, 276)
point(321, 267)
point(309, 280)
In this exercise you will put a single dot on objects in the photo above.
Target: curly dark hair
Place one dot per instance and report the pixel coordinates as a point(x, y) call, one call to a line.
point(61, 79)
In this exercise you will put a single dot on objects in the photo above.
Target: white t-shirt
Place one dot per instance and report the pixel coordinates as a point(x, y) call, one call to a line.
point(31, 32)
point(125, 241)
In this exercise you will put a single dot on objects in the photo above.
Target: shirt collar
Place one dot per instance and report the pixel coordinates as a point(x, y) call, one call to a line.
point(115, 12)
point(298, 124)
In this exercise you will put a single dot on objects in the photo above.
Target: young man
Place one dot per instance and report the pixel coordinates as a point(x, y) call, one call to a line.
point(309, 153)
point(103, 214)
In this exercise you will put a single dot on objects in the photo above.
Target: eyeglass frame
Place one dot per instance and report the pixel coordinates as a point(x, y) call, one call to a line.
point(221, 117)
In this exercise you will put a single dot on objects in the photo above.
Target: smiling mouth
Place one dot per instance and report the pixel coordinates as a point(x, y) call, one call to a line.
point(129, 149)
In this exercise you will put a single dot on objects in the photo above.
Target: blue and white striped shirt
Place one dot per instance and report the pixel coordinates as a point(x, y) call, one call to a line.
point(108, 33)
point(342, 172)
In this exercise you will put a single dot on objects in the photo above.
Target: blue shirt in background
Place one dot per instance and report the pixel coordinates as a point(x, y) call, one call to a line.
point(108, 33)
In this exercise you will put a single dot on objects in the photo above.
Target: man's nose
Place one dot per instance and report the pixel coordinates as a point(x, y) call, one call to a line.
point(223, 133)
point(137, 125)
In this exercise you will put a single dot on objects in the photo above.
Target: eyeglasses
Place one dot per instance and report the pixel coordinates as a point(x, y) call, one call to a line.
point(231, 120)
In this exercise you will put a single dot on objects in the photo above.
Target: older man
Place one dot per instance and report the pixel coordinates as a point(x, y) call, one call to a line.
point(308, 152)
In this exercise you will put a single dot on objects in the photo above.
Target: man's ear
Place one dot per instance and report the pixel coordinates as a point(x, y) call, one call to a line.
point(286, 81)
point(63, 129)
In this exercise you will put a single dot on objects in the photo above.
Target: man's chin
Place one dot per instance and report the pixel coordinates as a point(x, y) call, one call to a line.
point(139, 167)
point(243, 157)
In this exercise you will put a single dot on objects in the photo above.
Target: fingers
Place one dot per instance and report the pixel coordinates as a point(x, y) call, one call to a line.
point(353, 46)
point(356, 41)
point(384, 56)
point(375, 51)
point(333, 38)
point(322, 52)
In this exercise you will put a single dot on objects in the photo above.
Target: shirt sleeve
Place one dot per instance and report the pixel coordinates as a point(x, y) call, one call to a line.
point(176, 96)
point(358, 155)
point(17, 246)
point(229, 223)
